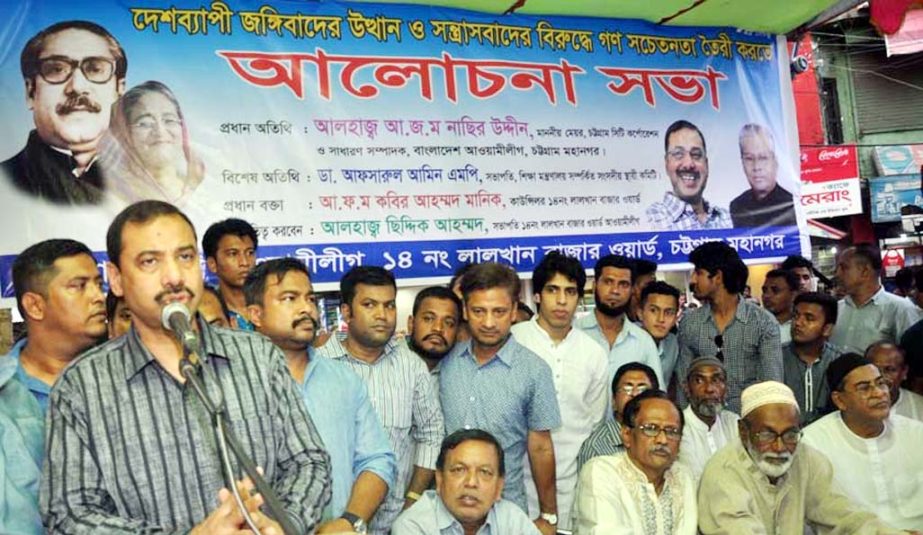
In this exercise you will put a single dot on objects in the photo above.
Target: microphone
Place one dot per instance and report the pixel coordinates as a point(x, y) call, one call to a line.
point(175, 317)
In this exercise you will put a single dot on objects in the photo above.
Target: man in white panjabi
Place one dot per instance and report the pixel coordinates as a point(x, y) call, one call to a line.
point(708, 425)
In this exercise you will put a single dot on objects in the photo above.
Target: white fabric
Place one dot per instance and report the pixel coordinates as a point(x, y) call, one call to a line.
point(614, 497)
point(765, 393)
point(884, 474)
point(909, 405)
point(785, 332)
point(580, 370)
point(700, 443)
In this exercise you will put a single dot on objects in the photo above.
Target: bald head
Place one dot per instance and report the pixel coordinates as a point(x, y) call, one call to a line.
point(892, 363)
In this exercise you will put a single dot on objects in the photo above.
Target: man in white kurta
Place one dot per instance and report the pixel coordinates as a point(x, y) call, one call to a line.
point(877, 456)
point(892, 362)
point(579, 367)
point(641, 491)
point(708, 425)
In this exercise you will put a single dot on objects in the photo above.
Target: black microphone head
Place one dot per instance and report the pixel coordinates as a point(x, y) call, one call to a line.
point(171, 309)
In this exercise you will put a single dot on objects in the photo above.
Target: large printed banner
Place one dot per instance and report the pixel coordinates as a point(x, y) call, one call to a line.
point(419, 139)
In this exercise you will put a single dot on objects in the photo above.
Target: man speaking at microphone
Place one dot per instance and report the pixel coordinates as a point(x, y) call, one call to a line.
point(130, 446)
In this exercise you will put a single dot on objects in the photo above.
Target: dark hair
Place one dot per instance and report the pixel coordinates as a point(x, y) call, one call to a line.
point(797, 261)
point(633, 407)
point(644, 267)
point(138, 213)
point(904, 278)
point(232, 227)
point(827, 302)
point(490, 275)
point(255, 283)
point(556, 262)
point(868, 254)
point(459, 273)
point(715, 256)
point(33, 268)
point(791, 280)
point(524, 308)
point(635, 367)
point(368, 275)
point(112, 302)
point(659, 288)
point(455, 439)
point(224, 306)
point(682, 125)
point(614, 261)
point(28, 60)
point(437, 292)
point(918, 280)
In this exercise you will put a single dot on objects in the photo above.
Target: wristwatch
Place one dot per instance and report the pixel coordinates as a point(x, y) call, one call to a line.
point(358, 524)
point(551, 518)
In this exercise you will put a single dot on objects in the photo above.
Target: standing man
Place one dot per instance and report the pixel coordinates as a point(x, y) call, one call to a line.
point(741, 334)
point(686, 161)
point(659, 309)
point(804, 270)
point(129, 445)
point(868, 313)
point(622, 340)
point(433, 327)
point(59, 293)
point(230, 253)
point(708, 426)
point(645, 273)
point(398, 383)
point(281, 302)
point(779, 290)
point(806, 359)
point(578, 365)
point(642, 490)
point(495, 384)
point(877, 456)
point(766, 203)
point(892, 362)
point(73, 71)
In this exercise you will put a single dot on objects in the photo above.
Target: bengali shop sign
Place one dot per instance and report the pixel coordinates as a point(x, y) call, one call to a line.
point(830, 181)
point(415, 138)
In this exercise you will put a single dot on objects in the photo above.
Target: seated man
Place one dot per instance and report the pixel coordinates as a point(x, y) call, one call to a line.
point(708, 426)
point(469, 482)
point(891, 360)
point(768, 483)
point(641, 490)
point(280, 304)
point(878, 456)
point(606, 438)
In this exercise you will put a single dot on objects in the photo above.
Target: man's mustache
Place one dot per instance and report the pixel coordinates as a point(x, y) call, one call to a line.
point(299, 321)
point(173, 292)
point(78, 103)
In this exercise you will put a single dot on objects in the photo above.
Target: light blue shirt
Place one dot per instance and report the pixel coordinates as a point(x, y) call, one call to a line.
point(22, 430)
point(669, 354)
point(339, 405)
point(37, 387)
point(633, 344)
point(510, 395)
point(429, 516)
point(883, 317)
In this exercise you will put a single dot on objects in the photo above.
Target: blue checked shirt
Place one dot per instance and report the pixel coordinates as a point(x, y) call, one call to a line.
point(751, 347)
point(510, 395)
point(672, 213)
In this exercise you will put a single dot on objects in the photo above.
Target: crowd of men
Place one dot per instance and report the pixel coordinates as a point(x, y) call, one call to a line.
point(628, 419)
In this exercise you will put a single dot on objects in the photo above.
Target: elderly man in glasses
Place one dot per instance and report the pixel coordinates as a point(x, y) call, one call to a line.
point(640, 490)
point(879, 453)
point(686, 161)
point(73, 71)
point(769, 483)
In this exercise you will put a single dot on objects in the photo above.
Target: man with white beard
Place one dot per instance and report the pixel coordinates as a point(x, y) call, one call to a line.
point(708, 426)
point(769, 483)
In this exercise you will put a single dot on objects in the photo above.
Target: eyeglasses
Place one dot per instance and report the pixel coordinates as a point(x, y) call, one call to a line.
point(57, 70)
point(865, 388)
point(654, 430)
point(719, 341)
point(678, 153)
point(633, 389)
point(767, 437)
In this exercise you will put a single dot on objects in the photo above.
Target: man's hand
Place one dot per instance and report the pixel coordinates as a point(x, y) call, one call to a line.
point(545, 527)
point(224, 520)
point(337, 525)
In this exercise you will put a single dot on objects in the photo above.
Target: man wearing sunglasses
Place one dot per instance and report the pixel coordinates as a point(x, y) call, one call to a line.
point(684, 206)
point(879, 452)
point(767, 482)
point(640, 490)
point(73, 72)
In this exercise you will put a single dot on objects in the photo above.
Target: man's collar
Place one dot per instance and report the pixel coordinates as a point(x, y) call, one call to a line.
point(679, 208)
point(445, 520)
point(505, 354)
point(138, 356)
point(339, 351)
point(876, 298)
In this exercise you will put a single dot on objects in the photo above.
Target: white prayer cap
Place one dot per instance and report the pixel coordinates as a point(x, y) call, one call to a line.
point(765, 393)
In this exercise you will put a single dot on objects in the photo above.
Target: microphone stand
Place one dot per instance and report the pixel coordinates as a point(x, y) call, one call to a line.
point(225, 438)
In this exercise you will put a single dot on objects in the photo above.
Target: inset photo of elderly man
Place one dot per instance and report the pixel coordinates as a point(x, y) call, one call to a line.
point(766, 203)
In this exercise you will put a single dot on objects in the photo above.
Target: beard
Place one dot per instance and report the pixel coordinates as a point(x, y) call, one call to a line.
point(427, 354)
point(771, 469)
point(610, 311)
point(707, 408)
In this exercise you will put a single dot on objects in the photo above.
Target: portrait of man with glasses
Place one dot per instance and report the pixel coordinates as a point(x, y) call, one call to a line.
point(684, 207)
point(73, 72)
